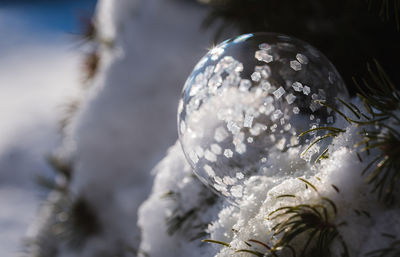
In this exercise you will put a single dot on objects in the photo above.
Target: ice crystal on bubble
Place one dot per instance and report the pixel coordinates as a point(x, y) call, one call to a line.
point(237, 191)
point(229, 180)
point(193, 157)
point(233, 127)
point(314, 106)
point(245, 85)
point(279, 92)
point(264, 70)
point(215, 81)
point(297, 86)
point(228, 153)
point(216, 149)
point(208, 72)
point(290, 98)
point(210, 171)
point(240, 148)
point(306, 90)
point(245, 101)
point(264, 46)
point(220, 134)
point(210, 156)
point(262, 55)
point(276, 115)
point(295, 65)
point(216, 52)
point(302, 58)
point(256, 76)
point(281, 144)
point(239, 175)
point(265, 85)
point(248, 121)
point(199, 151)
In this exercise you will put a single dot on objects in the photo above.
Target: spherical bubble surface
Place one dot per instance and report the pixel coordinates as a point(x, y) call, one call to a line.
point(250, 97)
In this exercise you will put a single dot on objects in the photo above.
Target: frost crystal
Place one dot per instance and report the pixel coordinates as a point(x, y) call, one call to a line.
point(306, 90)
point(302, 58)
point(314, 106)
point(250, 140)
point(263, 160)
point(281, 144)
point(219, 181)
point(245, 85)
point(314, 96)
point(233, 127)
point(297, 86)
point(256, 76)
point(290, 98)
point(276, 115)
point(279, 92)
point(295, 65)
point(264, 46)
point(216, 52)
point(287, 127)
point(199, 151)
point(193, 157)
point(220, 134)
point(240, 148)
point(237, 191)
point(228, 153)
point(264, 70)
point(215, 81)
point(296, 110)
point(210, 156)
point(256, 130)
point(239, 175)
point(208, 71)
point(265, 85)
point(262, 55)
point(216, 149)
point(269, 108)
point(294, 140)
point(210, 172)
point(248, 121)
point(229, 181)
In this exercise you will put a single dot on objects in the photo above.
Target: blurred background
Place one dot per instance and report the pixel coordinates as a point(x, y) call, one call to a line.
point(40, 60)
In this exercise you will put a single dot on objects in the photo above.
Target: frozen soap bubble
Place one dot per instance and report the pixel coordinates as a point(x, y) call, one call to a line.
point(247, 100)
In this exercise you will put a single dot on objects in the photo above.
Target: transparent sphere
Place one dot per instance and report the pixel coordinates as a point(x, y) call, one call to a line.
point(247, 101)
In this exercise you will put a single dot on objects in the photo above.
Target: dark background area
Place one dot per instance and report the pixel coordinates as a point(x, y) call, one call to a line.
point(349, 32)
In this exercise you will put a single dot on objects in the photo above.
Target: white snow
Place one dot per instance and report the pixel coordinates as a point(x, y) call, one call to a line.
point(128, 120)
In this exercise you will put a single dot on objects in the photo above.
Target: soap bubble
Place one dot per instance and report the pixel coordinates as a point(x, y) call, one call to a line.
point(247, 100)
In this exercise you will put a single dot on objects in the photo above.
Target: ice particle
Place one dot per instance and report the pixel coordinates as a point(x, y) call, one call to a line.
point(295, 65)
point(279, 92)
point(290, 98)
point(228, 153)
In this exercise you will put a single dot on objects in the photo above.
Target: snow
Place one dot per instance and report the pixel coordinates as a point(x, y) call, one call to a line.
point(128, 120)
point(127, 117)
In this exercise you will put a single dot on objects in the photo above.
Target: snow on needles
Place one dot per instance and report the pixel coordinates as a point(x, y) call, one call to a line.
point(128, 121)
